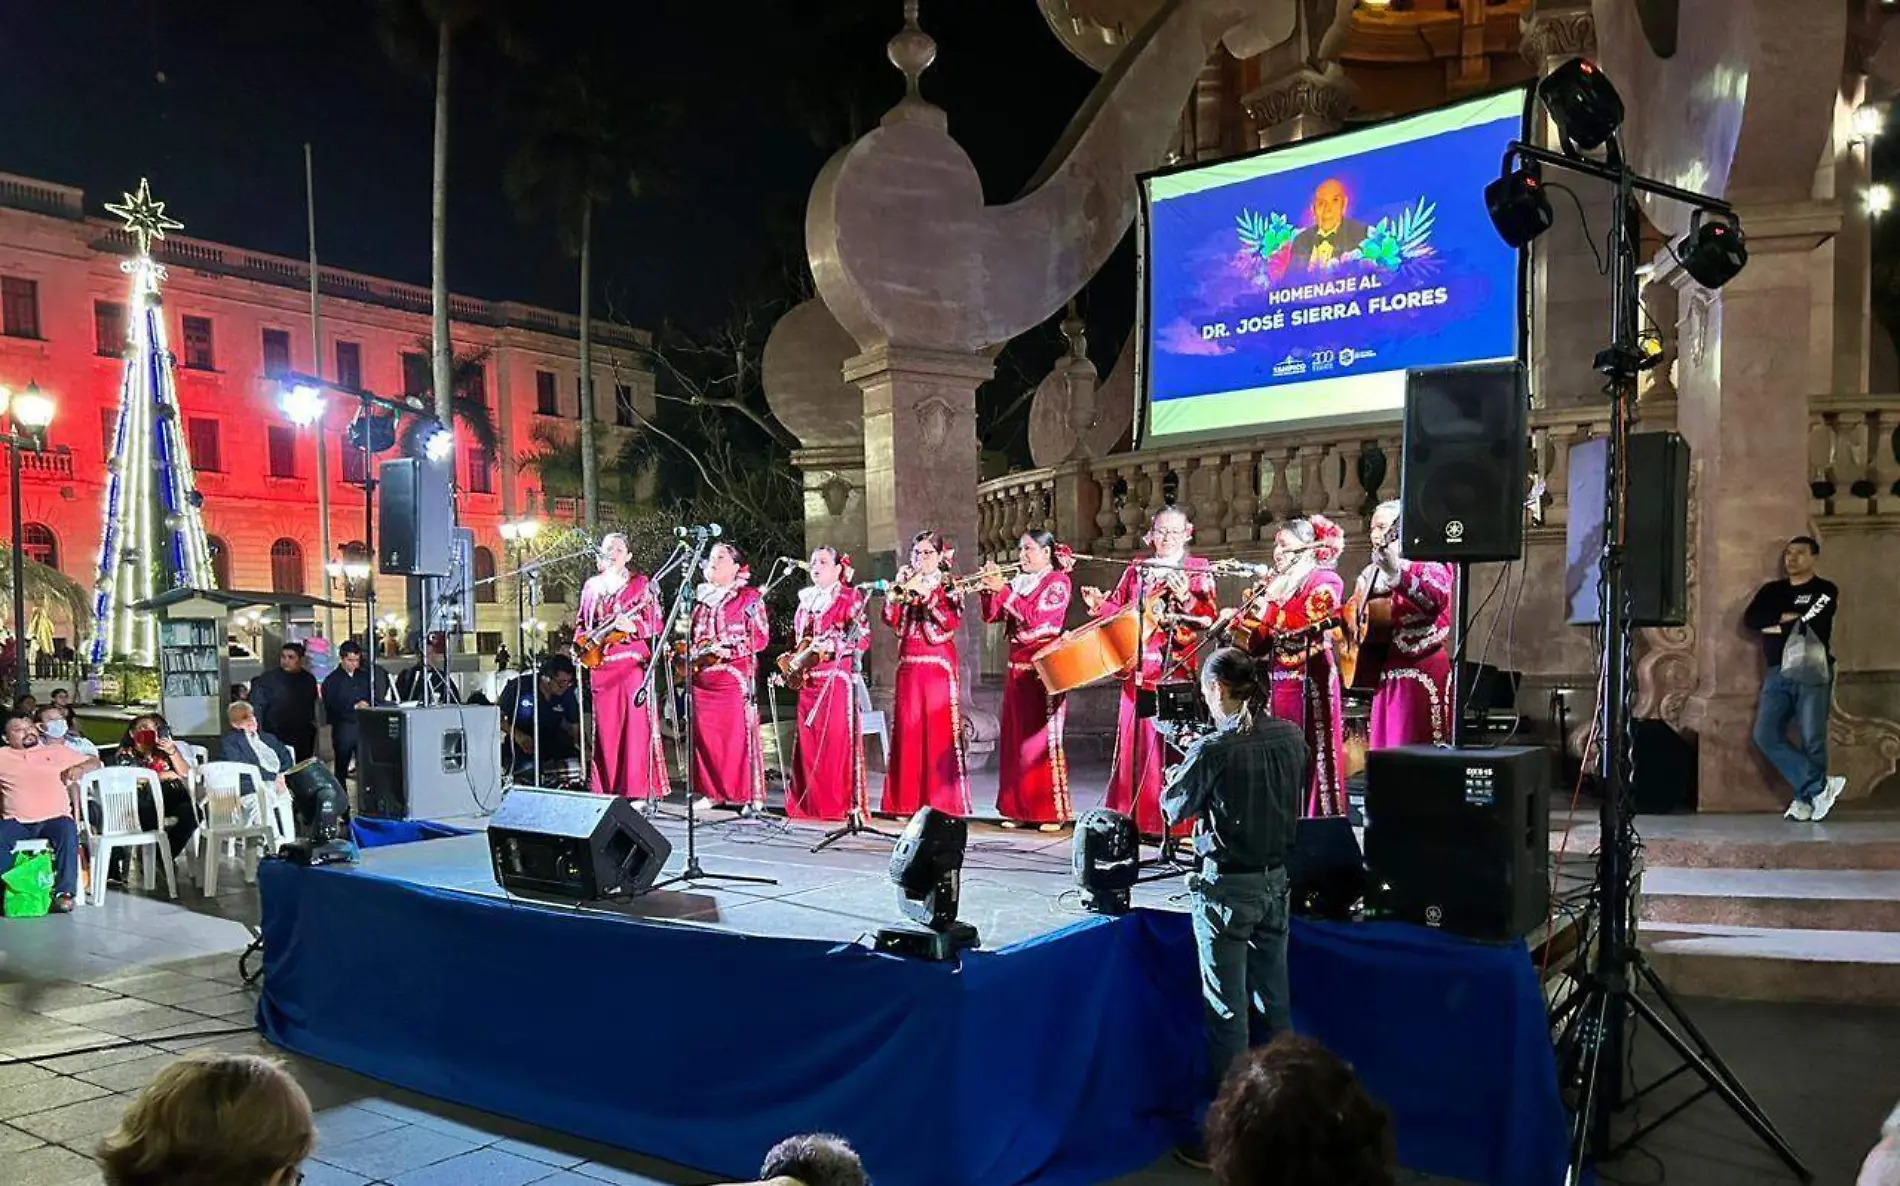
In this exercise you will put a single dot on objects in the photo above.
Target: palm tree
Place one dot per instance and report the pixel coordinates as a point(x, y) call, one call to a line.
point(581, 150)
point(467, 412)
point(413, 32)
point(43, 583)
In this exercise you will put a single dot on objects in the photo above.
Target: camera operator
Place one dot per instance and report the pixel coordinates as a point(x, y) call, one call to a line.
point(1241, 786)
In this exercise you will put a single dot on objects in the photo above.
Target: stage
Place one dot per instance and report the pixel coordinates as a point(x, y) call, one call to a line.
point(703, 1025)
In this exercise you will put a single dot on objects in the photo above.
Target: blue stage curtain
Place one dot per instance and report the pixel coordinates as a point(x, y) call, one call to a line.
point(378, 833)
point(1072, 1058)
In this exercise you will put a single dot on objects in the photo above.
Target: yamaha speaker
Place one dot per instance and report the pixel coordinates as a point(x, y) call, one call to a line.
point(1656, 530)
point(1459, 839)
point(574, 844)
point(1325, 872)
point(1461, 481)
point(429, 763)
point(417, 520)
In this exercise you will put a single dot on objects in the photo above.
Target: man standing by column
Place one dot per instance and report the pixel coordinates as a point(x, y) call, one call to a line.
point(1805, 602)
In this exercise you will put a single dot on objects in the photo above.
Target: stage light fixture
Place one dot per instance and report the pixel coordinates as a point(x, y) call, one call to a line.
point(302, 402)
point(321, 811)
point(1516, 201)
point(1714, 250)
point(381, 431)
point(1107, 859)
point(1582, 103)
point(435, 442)
point(1879, 199)
point(927, 869)
point(1869, 121)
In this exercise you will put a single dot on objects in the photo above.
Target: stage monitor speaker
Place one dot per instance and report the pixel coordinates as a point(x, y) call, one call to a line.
point(1325, 871)
point(1459, 839)
point(417, 520)
point(1656, 540)
point(1461, 481)
point(574, 844)
point(432, 763)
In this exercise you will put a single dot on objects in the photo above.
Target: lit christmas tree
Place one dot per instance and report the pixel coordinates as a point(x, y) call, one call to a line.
point(154, 536)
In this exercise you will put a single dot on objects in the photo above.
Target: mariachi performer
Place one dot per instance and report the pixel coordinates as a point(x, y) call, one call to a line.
point(827, 777)
point(1033, 787)
point(1174, 594)
point(1397, 623)
point(729, 629)
point(926, 761)
point(618, 619)
point(1288, 625)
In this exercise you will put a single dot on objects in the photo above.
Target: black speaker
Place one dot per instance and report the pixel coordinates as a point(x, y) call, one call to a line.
point(1459, 839)
point(1656, 530)
point(1325, 871)
point(573, 844)
point(1461, 481)
point(417, 518)
point(1663, 776)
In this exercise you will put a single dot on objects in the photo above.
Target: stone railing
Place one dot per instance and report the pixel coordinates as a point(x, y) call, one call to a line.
point(1854, 455)
point(52, 463)
point(42, 197)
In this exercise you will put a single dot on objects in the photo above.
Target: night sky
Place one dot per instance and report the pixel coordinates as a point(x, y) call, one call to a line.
point(214, 100)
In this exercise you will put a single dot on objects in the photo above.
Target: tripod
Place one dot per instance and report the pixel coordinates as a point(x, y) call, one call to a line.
point(1593, 1045)
point(854, 820)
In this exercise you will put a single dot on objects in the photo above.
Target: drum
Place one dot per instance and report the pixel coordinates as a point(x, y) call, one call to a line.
point(1094, 651)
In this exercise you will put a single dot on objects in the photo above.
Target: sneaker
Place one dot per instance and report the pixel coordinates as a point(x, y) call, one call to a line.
point(1799, 809)
point(1193, 1154)
point(1824, 802)
point(62, 903)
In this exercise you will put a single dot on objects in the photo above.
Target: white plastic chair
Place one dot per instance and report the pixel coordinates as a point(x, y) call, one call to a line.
point(116, 791)
point(196, 754)
point(871, 721)
point(225, 815)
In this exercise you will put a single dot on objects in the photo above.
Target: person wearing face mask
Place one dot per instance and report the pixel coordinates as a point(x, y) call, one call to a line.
point(148, 744)
point(55, 726)
point(727, 631)
point(827, 778)
point(926, 761)
point(1033, 778)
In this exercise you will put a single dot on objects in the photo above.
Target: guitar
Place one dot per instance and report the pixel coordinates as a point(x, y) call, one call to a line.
point(591, 646)
point(1370, 626)
point(795, 665)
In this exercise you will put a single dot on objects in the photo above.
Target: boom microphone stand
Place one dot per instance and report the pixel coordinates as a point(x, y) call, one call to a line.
point(854, 821)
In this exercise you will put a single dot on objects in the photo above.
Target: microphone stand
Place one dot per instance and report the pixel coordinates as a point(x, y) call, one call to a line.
point(854, 821)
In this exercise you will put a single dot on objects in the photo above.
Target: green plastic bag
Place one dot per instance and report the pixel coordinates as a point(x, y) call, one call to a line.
point(29, 885)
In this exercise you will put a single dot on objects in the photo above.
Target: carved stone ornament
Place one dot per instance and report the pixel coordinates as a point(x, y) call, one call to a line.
point(837, 495)
point(1554, 36)
point(934, 416)
point(1303, 93)
point(1696, 327)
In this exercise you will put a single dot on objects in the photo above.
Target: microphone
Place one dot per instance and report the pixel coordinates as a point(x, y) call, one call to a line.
point(709, 531)
point(1241, 568)
point(873, 587)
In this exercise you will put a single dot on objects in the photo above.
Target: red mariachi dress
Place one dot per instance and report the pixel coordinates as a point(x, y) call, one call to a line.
point(1134, 779)
point(1413, 701)
point(827, 779)
point(728, 764)
point(1293, 636)
point(628, 759)
point(926, 762)
point(1034, 783)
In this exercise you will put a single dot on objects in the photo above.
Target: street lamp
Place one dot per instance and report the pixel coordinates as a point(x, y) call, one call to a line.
point(518, 534)
point(28, 415)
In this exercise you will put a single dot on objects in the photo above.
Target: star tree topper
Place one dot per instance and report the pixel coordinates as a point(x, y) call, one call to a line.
point(144, 217)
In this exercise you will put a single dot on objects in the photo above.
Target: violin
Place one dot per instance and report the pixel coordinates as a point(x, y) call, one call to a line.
point(795, 665)
point(591, 646)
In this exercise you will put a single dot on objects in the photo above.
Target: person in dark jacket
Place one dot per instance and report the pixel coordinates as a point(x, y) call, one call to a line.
point(345, 691)
point(286, 701)
point(1806, 602)
point(248, 743)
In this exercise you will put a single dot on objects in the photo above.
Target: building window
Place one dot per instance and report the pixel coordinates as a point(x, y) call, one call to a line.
point(481, 477)
point(108, 329)
point(624, 414)
point(220, 561)
point(283, 451)
point(416, 376)
point(199, 355)
point(487, 642)
point(201, 437)
point(20, 302)
point(38, 544)
point(108, 429)
point(547, 398)
point(474, 384)
point(276, 353)
point(286, 566)
point(484, 576)
point(353, 468)
point(349, 365)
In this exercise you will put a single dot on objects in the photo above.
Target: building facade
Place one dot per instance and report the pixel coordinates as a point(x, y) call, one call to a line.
point(239, 319)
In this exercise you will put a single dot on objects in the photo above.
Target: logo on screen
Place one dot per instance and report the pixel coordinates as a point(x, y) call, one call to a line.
point(1290, 365)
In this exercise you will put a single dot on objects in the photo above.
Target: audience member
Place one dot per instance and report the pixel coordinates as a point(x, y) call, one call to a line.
point(223, 1119)
point(816, 1159)
point(251, 746)
point(56, 726)
point(148, 744)
point(25, 703)
point(286, 701)
point(36, 803)
point(1292, 1114)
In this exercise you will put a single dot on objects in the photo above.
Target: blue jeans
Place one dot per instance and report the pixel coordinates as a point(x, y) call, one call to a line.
point(1240, 927)
point(1806, 706)
point(64, 835)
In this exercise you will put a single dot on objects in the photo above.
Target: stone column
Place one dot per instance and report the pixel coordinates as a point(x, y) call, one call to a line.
point(1746, 354)
point(1297, 106)
point(832, 478)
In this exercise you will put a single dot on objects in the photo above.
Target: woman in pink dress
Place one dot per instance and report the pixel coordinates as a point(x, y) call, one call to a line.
point(827, 779)
point(1288, 625)
point(620, 614)
point(729, 629)
point(926, 762)
point(1412, 703)
point(1033, 786)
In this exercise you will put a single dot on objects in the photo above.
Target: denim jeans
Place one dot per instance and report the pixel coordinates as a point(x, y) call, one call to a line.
point(1240, 927)
point(64, 835)
point(1806, 706)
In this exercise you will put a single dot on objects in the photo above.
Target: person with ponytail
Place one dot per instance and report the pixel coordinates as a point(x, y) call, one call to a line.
point(729, 629)
point(1033, 783)
point(827, 777)
point(1240, 786)
point(925, 609)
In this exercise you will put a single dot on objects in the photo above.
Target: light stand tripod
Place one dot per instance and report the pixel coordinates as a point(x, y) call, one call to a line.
point(1594, 1042)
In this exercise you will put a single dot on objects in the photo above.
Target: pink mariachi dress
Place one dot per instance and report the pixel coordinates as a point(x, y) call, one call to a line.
point(628, 759)
point(827, 778)
point(728, 763)
point(1033, 787)
point(1412, 705)
point(1293, 636)
point(1134, 779)
point(926, 763)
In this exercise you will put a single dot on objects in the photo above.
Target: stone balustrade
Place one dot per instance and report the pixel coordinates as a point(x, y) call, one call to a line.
point(1854, 455)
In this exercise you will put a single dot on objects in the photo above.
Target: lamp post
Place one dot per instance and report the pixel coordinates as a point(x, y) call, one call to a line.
point(28, 414)
point(351, 570)
point(518, 534)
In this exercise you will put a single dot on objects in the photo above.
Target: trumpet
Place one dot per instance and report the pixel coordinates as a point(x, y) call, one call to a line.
point(981, 576)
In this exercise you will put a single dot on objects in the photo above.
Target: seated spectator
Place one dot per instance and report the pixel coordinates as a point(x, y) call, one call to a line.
point(25, 703)
point(817, 1159)
point(36, 803)
point(148, 744)
point(230, 1119)
point(63, 697)
point(1292, 1114)
point(56, 727)
point(246, 742)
